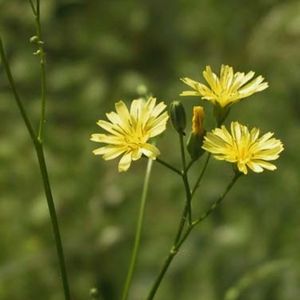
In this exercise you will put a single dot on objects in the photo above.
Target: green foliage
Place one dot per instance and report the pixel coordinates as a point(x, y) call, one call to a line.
point(98, 52)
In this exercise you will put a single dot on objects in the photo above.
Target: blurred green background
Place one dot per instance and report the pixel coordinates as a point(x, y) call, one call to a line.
point(99, 52)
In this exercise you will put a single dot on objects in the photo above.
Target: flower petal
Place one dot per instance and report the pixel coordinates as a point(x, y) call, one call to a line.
point(125, 162)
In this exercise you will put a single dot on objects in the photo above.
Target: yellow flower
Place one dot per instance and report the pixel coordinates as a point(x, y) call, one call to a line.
point(129, 131)
point(243, 147)
point(229, 88)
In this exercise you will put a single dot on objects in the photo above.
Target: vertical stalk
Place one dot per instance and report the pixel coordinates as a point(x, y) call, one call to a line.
point(38, 145)
point(54, 221)
point(201, 174)
point(41, 52)
point(185, 180)
point(138, 233)
point(15, 93)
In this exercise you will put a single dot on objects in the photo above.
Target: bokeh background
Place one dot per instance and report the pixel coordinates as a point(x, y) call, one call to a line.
point(99, 52)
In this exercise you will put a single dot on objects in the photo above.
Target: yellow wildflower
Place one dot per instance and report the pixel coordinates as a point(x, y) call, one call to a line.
point(129, 131)
point(229, 88)
point(243, 147)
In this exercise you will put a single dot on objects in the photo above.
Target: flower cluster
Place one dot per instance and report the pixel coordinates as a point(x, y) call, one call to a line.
point(129, 131)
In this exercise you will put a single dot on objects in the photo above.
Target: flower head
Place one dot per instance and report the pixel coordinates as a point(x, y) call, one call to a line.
point(229, 88)
point(243, 147)
point(130, 130)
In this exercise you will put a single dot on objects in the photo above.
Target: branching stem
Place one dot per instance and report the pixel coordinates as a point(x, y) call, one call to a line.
point(176, 246)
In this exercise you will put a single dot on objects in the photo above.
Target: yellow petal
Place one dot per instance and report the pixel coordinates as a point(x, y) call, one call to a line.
point(150, 151)
point(125, 162)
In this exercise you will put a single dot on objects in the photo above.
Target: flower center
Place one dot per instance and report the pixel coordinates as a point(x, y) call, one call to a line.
point(135, 141)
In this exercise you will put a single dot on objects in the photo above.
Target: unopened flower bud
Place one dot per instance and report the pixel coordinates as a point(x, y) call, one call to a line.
point(197, 121)
point(195, 141)
point(177, 116)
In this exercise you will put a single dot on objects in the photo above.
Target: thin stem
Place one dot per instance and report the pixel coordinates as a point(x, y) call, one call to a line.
point(16, 94)
point(182, 151)
point(32, 7)
point(138, 232)
point(42, 164)
point(54, 221)
point(181, 224)
point(189, 165)
point(185, 211)
point(176, 247)
point(185, 180)
point(168, 166)
point(201, 174)
point(41, 53)
point(213, 207)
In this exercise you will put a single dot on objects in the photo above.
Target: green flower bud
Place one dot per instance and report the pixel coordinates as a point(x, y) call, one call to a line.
point(194, 145)
point(178, 117)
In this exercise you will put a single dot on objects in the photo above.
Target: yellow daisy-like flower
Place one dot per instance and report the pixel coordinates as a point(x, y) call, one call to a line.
point(229, 88)
point(243, 147)
point(130, 130)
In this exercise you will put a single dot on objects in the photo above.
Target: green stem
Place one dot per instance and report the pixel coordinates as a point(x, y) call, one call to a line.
point(54, 221)
point(168, 166)
point(176, 247)
point(189, 165)
point(181, 224)
point(15, 93)
point(42, 164)
point(185, 211)
point(201, 175)
point(185, 180)
point(32, 7)
point(41, 53)
point(138, 232)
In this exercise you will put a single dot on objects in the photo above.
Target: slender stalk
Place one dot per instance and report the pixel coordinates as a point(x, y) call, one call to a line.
point(32, 7)
point(54, 221)
point(41, 53)
point(138, 232)
point(212, 208)
point(185, 211)
point(185, 180)
point(181, 224)
point(189, 165)
point(16, 94)
point(201, 174)
point(43, 168)
point(176, 247)
point(168, 166)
